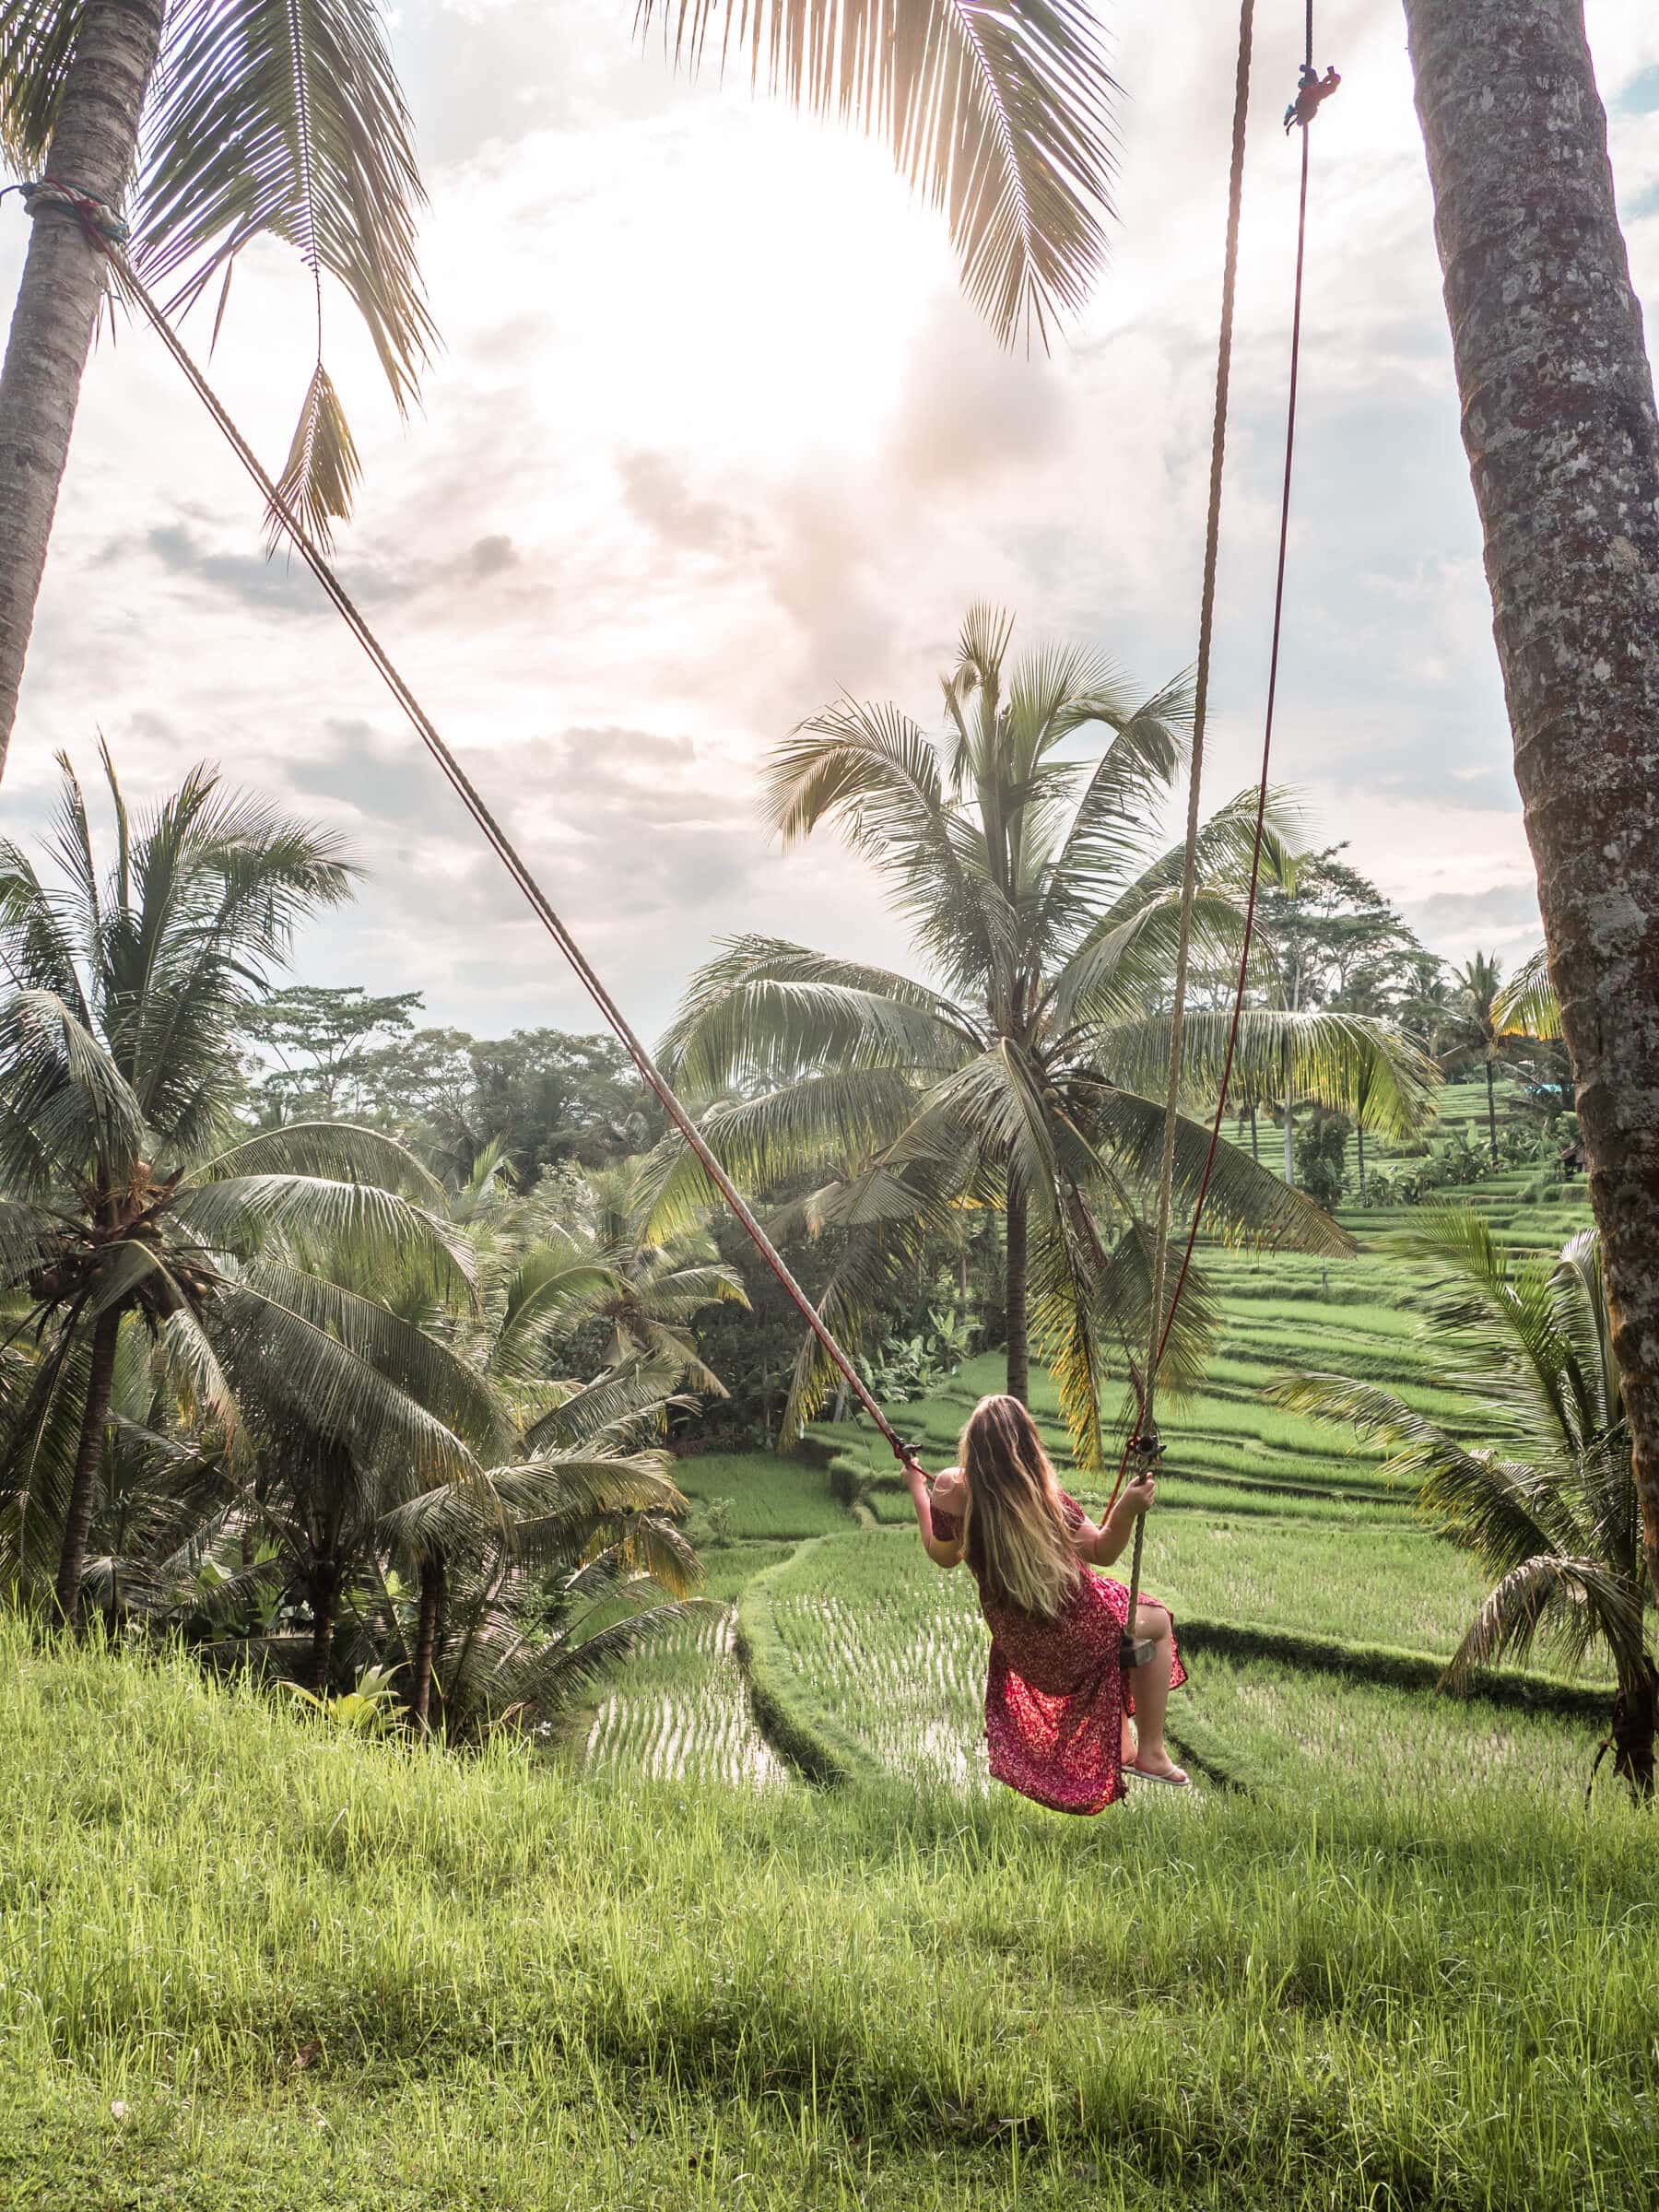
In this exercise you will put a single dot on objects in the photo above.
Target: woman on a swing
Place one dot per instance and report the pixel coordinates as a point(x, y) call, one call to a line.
point(1057, 1706)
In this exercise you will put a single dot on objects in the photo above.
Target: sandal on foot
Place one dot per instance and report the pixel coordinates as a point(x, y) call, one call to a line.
point(1178, 1781)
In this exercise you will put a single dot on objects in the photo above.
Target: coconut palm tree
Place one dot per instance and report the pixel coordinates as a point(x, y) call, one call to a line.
point(130, 1199)
point(1475, 1032)
point(1562, 434)
point(1028, 1067)
point(577, 1448)
point(538, 1579)
point(232, 119)
point(1547, 1504)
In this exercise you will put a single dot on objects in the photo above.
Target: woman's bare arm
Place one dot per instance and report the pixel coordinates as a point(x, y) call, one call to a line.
point(943, 1553)
point(1102, 1544)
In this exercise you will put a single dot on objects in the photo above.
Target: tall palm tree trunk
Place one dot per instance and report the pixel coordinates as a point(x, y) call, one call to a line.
point(1359, 1140)
point(1491, 1112)
point(1563, 442)
point(1020, 1356)
point(1289, 1145)
point(427, 1633)
point(83, 1490)
point(93, 147)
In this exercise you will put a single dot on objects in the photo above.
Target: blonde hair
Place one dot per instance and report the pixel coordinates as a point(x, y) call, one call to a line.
point(1015, 1532)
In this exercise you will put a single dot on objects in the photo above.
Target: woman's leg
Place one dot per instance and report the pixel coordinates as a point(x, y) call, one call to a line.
point(1151, 1688)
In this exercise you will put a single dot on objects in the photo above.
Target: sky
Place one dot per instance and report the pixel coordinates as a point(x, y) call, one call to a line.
point(713, 439)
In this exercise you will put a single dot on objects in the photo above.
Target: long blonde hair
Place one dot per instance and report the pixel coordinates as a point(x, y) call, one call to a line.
point(1015, 1532)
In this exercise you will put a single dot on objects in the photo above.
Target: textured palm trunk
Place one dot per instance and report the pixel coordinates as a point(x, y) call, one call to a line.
point(428, 1630)
point(1256, 1142)
point(1360, 1141)
point(1491, 1112)
point(1635, 1718)
point(1559, 421)
point(1019, 1357)
point(83, 1490)
point(94, 146)
point(325, 1606)
point(1289, 1149)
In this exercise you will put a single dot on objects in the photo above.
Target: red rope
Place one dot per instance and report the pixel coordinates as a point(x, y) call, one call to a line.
point(1261, 813)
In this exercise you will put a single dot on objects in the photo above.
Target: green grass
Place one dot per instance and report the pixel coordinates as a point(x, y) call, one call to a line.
point(771, 1497)
point(314, 1972)
point(1309, 1732)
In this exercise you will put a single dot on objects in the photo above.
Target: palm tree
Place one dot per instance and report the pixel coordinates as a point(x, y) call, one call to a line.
point(1030, 1073)
point(653, 1290)
point(1476, 1031)
point(128, 1197)
point(539, 1578)
point(542, 1282)
point(284, 119)
point(1549, 1506)
point(1563, 435)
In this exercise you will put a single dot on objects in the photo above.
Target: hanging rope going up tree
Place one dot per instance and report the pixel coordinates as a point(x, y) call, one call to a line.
point(1145, 1447)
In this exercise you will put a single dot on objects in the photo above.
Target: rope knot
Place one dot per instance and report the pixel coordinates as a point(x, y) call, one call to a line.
point(1145, 1447)
point(95, 215)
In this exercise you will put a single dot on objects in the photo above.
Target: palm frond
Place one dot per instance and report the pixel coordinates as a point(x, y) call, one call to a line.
point(338, 1149)
point(369, 1229)
point(36, 38)
point(1107, 832)
point(40, 1436)
point(1346, 1061)
point(820, 1120)
point(345, 1368)
point(319, 476)
point(764, 1009)
point(67, 1108)
point(1527, 1004)
point(999, 116)
point(284, 119)
point(1246, 1203)
point(1574, 1602)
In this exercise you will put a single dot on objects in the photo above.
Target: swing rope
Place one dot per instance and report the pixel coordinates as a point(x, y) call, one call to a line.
point(1144, 1444)
point(107, 233)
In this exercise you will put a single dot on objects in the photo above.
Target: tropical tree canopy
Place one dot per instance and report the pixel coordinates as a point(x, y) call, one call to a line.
point(128, 1191)
point(249, 1375)
point(1026, 1068)
point(1549, 1504)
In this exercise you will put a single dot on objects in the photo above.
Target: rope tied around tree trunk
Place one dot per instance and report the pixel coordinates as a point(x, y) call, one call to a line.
point(104, 227)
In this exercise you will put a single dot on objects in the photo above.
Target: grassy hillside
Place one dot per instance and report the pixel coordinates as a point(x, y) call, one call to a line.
point(250, 1965)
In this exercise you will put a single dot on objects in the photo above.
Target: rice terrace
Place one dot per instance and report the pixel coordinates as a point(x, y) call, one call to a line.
point(828, 1170)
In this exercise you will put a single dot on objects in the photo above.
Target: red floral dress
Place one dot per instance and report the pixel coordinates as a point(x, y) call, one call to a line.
point(1054, 1694)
